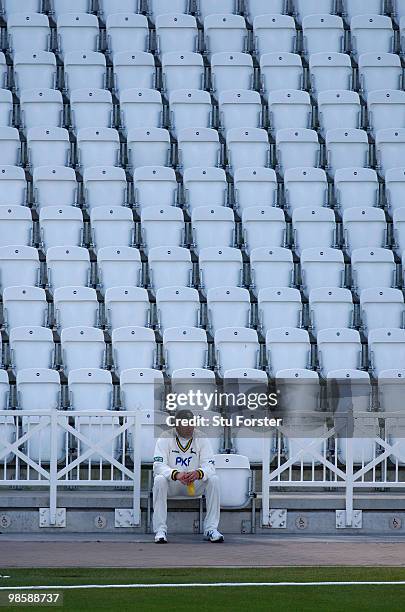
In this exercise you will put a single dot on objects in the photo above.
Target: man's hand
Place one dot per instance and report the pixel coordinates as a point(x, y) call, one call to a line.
point(182, 477)
point(191, 477)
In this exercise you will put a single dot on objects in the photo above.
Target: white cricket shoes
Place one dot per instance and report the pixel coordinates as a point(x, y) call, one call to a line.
point(213, 535)
point(161, 537)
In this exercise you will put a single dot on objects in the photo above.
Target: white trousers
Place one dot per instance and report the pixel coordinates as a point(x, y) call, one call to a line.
point(162, 488)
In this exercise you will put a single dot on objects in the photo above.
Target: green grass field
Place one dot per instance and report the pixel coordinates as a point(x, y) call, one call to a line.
point(261, 598)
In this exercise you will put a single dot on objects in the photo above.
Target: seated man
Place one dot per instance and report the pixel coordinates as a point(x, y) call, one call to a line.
point(184, 465)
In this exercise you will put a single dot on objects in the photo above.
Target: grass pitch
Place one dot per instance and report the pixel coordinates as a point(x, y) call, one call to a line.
point(339, 598)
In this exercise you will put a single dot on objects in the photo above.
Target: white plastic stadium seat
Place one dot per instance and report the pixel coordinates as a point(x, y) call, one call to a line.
point(14, 6)
point(34, 69)
point(296, 147)
point(280, 71)
point(395, 188)
point(82, 347)
point(330, 307)
point(212, 226)
point(84, 69)
point(278, 307)
point(214, 7)
point(236, 347)
point(13, 184)
point(182, 70)
point(177, 306)
point(162, 226)
point(247, 147)
point(289, 108)
point(162, 7)
point(339, 109)
point(217, 264)
point(10, 146)
point(335, 342)
point(60, 7)
point(127, 32)
point(253, 8)
point(133, 347)
point(30, 347)
point(87, 383)
point(254, 186)
point(364, 227)
point(386, 109)
point(41, 108)
point(176, 32)
point(189, 108)
point(111, 226)
point(91, 108)
point(263, 227)
point(351, 8)
point(322, 33)
point(133, 69)
point(287, 347)
point(203, 187)
point(55, 185)
point(227, 68)
point(399, 230)
point(322, 268)
point(240, 109)
point(105, 186)
point(169, 267)
point(302, 8)
point(67, 266)
point(380, 71)
point(142, 390)
point(184, 347)
point(16, 226)
point(356, 187)
point(98, 147)
point(305, 187)
point(346, 149)
point(225, 32)
point(389, 148)
point(371, 33)
point(386, 349)
point(109, 7)
point(330, 71)
point(60, 226)
point(76, 306)
point(222, 300)
point(28, 32)
point(118, 267)
point(373, 267)
point(148, 147)
point(381, 307)
point(19, 265)
point(198, 146)
point(306, 232)
point(126, 306)
point(271, 268)
point(77, 32)
point(24, 305)
point(48, 146)
point(6, 107)
point(274, 33)
point(155, 186)
point(141, 108)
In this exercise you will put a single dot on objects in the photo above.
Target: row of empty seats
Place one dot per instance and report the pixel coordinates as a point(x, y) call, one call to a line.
point(173, 266)
point(203, 8)
point(187, 347)
point(222, 32)
point(276, 307)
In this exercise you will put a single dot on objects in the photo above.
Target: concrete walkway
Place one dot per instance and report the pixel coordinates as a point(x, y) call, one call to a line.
point(190, 551)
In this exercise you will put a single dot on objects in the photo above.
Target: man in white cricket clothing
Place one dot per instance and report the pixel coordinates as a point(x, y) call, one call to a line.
point(184, 464)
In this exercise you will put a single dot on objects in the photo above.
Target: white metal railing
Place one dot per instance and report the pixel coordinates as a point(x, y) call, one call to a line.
point(332, 463)
point(57, 448)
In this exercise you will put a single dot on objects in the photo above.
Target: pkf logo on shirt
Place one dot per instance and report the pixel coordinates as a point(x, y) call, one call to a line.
point(183, 462)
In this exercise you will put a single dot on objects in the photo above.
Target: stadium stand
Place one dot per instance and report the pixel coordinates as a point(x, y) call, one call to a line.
point(200, 185)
